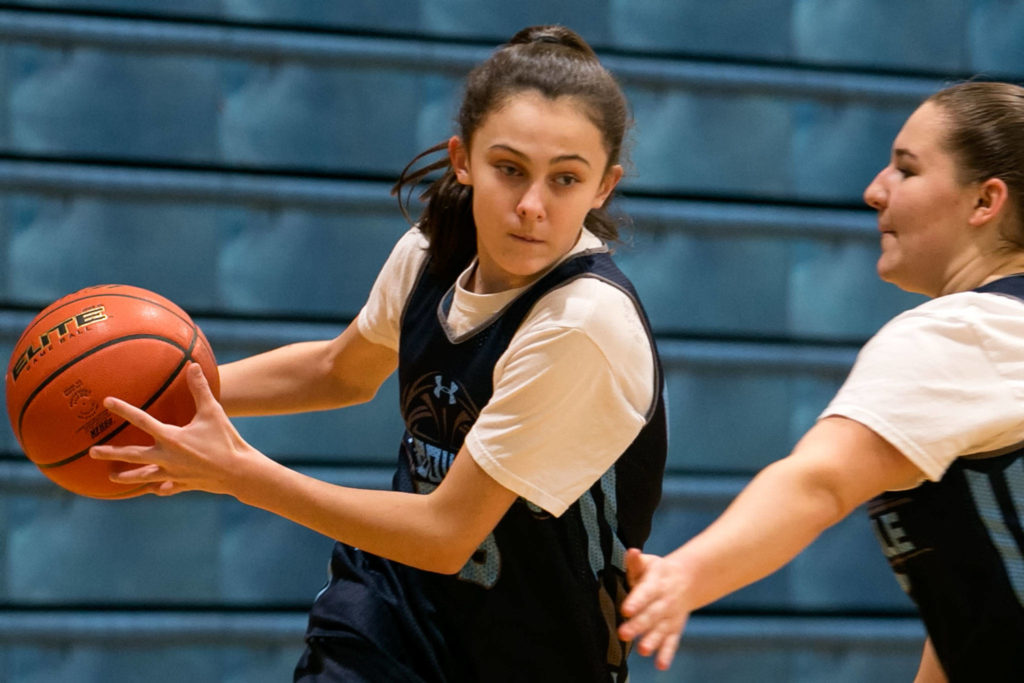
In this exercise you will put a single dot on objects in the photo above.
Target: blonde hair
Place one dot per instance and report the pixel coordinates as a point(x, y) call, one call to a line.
point(986, 137)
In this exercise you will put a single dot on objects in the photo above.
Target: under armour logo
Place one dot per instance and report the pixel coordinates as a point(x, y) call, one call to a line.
point(439, 389)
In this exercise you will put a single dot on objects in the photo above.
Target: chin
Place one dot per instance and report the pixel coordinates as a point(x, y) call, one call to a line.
point(906, 285)
point(891, 276)
point(884, 273)
point(530, 268)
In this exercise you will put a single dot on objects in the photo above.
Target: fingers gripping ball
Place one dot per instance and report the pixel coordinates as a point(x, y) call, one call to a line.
point(108, 340)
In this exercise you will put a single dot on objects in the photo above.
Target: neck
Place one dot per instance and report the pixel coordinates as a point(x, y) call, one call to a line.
point(1012, 265)
point(981, 273)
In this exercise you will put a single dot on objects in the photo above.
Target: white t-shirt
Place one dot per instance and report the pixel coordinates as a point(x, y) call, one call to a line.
point(571, 391)
point(943, 380)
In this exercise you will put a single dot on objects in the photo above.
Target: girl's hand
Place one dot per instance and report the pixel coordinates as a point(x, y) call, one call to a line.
point(656, 608)
point(204, 455)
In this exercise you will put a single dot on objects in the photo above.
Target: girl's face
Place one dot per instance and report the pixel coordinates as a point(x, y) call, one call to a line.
point(923, 209)
point(537, 166)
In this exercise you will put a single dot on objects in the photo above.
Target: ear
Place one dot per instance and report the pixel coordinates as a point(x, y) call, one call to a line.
point(611, 178)
point(459, 157)
point(991, 199)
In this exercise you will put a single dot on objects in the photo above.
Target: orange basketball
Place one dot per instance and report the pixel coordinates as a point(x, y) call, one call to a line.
point(108, 340)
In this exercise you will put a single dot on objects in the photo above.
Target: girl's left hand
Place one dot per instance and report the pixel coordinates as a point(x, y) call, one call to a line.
point(204, 455)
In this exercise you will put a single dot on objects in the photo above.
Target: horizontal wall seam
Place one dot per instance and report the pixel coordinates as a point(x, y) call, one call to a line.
point(254, 629)
point(264, 44)
point(720, 217)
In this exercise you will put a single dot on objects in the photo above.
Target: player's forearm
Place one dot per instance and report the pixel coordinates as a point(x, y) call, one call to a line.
point(404, 527)
point(777, 515)
point(834, 468)
point(291, 378)
point(316, 375)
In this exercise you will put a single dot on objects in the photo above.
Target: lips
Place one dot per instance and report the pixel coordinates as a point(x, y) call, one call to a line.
point(525, 238)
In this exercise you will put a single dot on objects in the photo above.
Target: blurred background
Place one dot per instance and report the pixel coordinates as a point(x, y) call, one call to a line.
point(236, 155)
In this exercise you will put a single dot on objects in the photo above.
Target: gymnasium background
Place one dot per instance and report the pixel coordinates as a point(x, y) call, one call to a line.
point(236, 155)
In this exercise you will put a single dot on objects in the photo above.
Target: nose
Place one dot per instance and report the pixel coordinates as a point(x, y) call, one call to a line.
point(875, 194)
point(531, 203)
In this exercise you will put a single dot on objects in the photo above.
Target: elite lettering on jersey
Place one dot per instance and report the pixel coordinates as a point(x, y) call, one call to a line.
point(56, 335)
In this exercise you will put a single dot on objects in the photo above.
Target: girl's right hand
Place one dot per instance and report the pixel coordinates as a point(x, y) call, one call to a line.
point(656, 608)
point(207, 454)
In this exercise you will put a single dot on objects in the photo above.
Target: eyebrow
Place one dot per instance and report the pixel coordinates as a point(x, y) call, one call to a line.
point(554, 160)
point(899, 152)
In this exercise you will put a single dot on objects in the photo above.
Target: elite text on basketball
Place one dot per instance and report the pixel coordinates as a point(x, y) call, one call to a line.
point(57, 334)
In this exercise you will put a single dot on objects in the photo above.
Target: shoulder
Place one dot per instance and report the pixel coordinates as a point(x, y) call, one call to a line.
point(955, 304)
point(592, 305)
point(379, 320)
point(404, 264)
point(588, 315)
point(412, 247)
point(987, 320)
point(942, 380)
point(589, 301)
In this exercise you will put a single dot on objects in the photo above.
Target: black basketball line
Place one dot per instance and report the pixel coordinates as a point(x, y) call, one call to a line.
point(186, 356)
point(47, 311)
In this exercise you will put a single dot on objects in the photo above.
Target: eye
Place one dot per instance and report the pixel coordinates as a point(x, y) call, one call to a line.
point(904, 171)
point(507, 169)
point(566, 180)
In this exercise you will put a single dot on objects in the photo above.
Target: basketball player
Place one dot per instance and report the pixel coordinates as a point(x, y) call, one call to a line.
point(928, 427)
point(530, 388)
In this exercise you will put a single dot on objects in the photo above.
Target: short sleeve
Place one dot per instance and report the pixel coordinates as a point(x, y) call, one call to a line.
point(942, 381)
point(380, 319)
point(571, 394)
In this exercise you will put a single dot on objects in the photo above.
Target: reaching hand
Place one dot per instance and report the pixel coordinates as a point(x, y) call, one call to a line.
point(203, 455)
point(656, 608)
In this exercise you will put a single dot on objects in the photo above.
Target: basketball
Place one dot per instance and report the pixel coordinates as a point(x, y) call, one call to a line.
point(107, 340)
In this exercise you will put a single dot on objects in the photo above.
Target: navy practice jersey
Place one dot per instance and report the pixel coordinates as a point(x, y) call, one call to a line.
point(957, 548)
point(538, 601)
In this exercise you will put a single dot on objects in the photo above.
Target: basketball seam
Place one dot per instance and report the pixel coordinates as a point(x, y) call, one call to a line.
point(53, 308)
point(187, 356)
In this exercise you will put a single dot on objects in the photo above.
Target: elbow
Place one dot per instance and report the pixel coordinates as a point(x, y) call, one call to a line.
point(339, 392)
point(441, 564)
point(453, 560)
point(834, 497)
point(833, 505)
point(820, 489)
point(451, 553)
point(449, 568)
point(361, 394)
point(836, 507)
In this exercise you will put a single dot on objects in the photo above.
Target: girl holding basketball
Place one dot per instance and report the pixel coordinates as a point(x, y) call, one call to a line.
point(929, 426)
point(530, 389)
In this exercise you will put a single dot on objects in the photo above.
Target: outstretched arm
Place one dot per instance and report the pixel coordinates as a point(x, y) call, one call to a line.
point(315, 375)
point(838, 465)
point(437, 532)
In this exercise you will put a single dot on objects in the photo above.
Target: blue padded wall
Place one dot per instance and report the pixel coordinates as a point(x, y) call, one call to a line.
point(875, 33)
point(237, 155)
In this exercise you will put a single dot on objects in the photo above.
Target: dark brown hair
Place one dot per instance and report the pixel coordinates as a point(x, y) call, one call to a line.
point(986, 137)
point(552, 60)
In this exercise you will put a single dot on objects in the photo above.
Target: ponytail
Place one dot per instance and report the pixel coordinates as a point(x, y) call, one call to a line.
point(447, 219)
